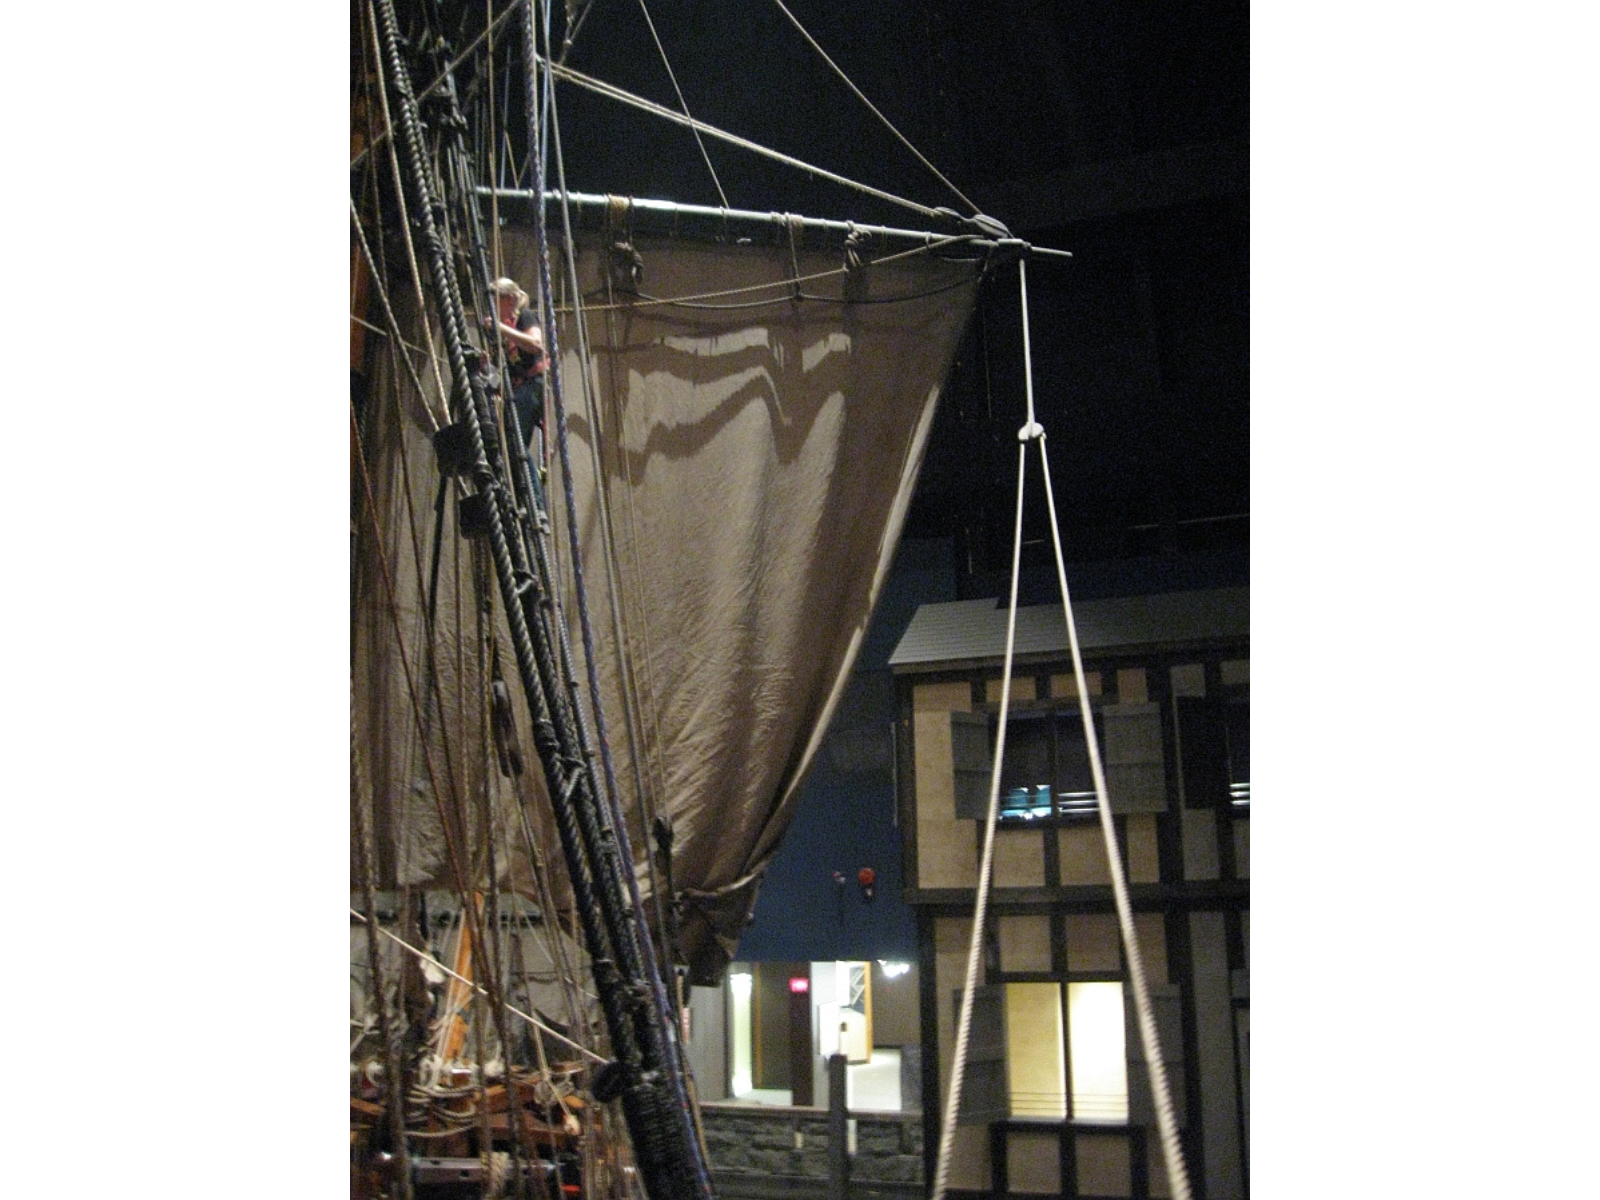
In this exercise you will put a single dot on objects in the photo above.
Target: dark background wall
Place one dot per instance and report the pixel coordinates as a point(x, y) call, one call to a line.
point(1118, 131)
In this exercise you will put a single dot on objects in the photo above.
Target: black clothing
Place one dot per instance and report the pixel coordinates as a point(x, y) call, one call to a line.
point(524, 364)
point(526, 371)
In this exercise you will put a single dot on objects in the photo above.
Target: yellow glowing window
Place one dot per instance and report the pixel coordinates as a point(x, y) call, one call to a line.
point(1033, 1050)
point(1098, 1047)
point(1047, 1045)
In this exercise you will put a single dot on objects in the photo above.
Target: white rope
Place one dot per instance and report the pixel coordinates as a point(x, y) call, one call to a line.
point(424, 956)
point(947, 1135)
point(1177, 1173)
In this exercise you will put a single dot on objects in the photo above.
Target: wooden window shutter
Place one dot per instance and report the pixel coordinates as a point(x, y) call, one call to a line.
point(969, 754)
point(1136, 771)
point(1203, 751)
point(986, 1087)
point(1166, 1001)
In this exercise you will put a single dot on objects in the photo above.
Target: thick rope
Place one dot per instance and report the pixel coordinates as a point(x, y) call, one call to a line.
point(1177, 1173)
point(889, 125)
point(958, 1068)
point(671, 1061)
point(388, 129)
point(1166, 1123)
point(405, 220)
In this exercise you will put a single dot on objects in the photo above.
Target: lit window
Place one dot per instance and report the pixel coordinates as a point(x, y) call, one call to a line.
point(1033, 1050)
point(1098, 1052)
point(741, 985)
point(1044, 1037)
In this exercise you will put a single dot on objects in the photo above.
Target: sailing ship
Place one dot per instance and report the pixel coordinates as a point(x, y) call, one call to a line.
point(591, 661)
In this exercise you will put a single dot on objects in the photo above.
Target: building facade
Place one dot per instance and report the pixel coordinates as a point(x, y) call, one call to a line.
point(1055, 1100)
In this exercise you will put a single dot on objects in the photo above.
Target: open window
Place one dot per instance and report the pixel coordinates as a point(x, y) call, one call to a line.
point(1046, 774)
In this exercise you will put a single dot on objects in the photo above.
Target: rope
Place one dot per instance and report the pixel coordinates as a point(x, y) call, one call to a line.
point(665, 1026)
point(795, 229)
point(645, 300)
point(887, 123)
point(1166, 1123)
point(424, 956)
point(627, 679)
point(947, 1134)
point(393, 332)
point(611, 92)
point(1177, 1173)
point(388, 129)
point(400, 196)
point(395, 1093)
point(682, 103)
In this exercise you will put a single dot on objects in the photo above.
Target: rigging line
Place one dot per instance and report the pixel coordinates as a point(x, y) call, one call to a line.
point(611, 92)
point(487, 642)
point(624, 842)
point(627, 679)
point(387, 133)
point(573, 29)
point(395, 1095)
point(384, 333)
point(887, 123)
point(682, 103)
point(505, 133)
point(424, 956)
point(494, 201)
point(393, 332)
point(791, 297)
point(451, 849)
point(1166, 1121)
point(673, 1063)
point(958, 1065)
point(492, 951)
point(400, 197)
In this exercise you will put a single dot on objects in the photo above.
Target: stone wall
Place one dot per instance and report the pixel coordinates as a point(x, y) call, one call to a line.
point(751, 1144)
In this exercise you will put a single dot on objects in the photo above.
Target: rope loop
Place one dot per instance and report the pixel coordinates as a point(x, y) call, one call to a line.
point(795, 226)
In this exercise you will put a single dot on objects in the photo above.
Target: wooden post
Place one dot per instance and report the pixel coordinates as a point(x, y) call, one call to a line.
point(838, 1130)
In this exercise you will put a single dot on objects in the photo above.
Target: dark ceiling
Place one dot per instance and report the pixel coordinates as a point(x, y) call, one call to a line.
point(1116, 130)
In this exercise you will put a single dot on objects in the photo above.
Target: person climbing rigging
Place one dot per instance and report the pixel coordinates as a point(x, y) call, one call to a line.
point(518, 326)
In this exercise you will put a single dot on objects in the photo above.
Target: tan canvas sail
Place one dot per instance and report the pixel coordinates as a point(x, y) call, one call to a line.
point(757, 452)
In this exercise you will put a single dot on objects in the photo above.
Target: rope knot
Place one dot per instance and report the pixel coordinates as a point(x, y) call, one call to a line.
point(855, 263)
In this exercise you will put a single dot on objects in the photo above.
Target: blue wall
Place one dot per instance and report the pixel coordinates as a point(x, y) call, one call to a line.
point(846, 816)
